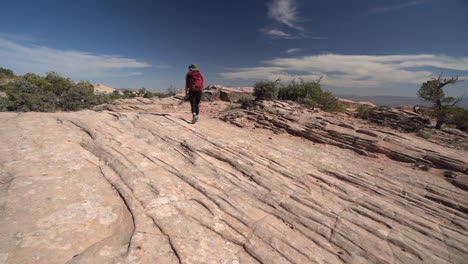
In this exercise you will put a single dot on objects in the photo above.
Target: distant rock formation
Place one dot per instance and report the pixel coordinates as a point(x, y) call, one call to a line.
point(103, 89)
point(355, 104)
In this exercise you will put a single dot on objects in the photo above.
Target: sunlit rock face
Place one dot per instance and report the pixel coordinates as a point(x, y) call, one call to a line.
point(136, 182)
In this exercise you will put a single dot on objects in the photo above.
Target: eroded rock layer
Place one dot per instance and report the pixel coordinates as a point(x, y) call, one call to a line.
point(130, 187)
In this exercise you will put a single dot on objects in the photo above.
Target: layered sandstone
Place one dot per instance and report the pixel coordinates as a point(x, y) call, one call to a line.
point(137, 183)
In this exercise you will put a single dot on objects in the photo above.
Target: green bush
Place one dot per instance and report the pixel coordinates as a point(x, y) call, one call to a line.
point(247, 101)
point(266, 90)
point(459, 117)
point(330, 103)
point(299, 91)
point(141, 92)
point(148, 95)
point(5, 104)
point(127, 93)
point(6, 73)
point(310, 102)
point(32, 92)
point(364, 112)
point(310, 94)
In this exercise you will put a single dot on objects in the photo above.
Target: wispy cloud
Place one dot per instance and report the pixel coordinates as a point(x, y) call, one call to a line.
point(293, 50)
point(384, 9)
point(285, 12)
point(276, 33)
point(286, 15)
point(353, 71)
point(74, 64)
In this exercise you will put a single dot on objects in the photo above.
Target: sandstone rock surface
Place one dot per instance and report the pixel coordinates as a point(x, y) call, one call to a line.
point(227, 94)
point(138, 184)
point(103, 89)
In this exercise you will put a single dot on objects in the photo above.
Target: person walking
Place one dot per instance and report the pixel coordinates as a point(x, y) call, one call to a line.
point(193, 90)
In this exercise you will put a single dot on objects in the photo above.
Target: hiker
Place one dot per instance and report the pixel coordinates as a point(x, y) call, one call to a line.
point(193, 90)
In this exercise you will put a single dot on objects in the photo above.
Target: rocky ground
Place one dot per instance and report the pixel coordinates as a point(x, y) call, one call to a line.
point(135, 182)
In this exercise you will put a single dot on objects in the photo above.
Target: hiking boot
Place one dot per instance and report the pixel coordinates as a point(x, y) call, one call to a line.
point(195, 119)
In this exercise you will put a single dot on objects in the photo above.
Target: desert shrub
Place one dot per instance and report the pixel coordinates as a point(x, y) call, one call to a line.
point(161, 95)
point(424, 134)
point(5, 104)
point(78, 96)
point(310, 94)
point(381, 108)
point(141, 92)
point(364, 112)
point(310, 102)
point(266, 90)
point(247, 101)
point(171, 90)
point(298, 91)
point(127, 93)
point(329, 102)
point(115, 95)
point(459, 118)
point(148, 95)
point(6, 73)
point(450, 125)
point(32, 92)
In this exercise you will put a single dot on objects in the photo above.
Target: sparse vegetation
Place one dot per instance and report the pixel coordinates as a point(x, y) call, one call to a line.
point(424, 134)
point(433, 91)
point(127, 93)
point(6, 76)
point(6, 73)
point(148, 95)
point(171, 90)
point(247, 101)
point(266, 90)
point(308, 93)
point(458, 117)
point(32, 92)
point(364, 112)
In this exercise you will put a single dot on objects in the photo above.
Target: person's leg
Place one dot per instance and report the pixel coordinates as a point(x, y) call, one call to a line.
point(192, 99)
point(197, 102)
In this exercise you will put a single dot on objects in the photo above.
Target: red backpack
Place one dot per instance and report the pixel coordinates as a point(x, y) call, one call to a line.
point(195, 80)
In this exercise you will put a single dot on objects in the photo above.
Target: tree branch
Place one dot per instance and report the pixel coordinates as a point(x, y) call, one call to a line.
point(459, 99)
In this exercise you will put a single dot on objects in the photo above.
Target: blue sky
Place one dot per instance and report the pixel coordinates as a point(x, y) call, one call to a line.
point(362, 47)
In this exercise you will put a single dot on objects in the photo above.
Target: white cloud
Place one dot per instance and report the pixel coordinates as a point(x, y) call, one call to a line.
point(276, 33)
point(285, 12)
point(293, 50)
point(353, 70)
point(396, 7)
point(69, 63)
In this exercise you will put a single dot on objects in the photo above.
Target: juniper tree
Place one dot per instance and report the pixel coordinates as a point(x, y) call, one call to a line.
point(433, 91)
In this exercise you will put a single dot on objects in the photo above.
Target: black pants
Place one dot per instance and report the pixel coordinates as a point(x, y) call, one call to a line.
point(195, 97)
